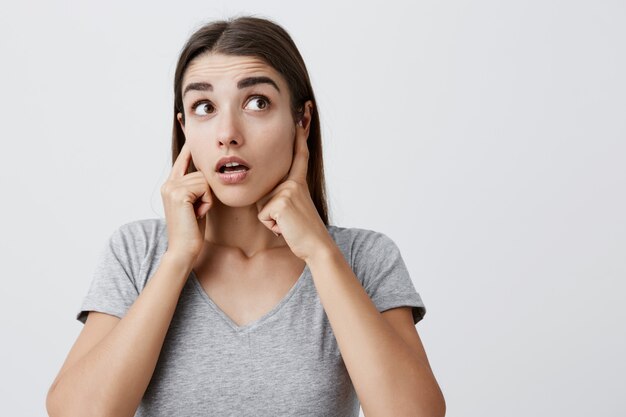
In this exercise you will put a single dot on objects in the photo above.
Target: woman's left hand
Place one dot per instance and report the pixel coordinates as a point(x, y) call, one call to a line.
point(290, 210)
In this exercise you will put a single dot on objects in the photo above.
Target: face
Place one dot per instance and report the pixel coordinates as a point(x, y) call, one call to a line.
point(252, 121)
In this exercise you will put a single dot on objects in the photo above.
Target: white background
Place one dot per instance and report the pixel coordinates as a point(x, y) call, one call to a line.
point(487, 138)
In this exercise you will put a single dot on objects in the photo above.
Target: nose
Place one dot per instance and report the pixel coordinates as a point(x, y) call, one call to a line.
point(228, 131)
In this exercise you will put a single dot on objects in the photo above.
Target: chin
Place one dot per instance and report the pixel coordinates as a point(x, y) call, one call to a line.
point(235, 198)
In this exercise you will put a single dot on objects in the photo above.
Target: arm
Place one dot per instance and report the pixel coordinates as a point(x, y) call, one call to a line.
point(389, 377)
point(111, 379)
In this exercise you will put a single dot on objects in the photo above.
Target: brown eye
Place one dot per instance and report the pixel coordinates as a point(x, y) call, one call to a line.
point(208, 107)
point(262, 102)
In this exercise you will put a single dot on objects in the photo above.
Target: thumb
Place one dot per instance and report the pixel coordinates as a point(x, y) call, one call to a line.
point(206, 202)
point(202, 224)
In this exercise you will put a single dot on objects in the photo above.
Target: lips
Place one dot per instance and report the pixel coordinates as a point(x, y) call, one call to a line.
point(226, 159)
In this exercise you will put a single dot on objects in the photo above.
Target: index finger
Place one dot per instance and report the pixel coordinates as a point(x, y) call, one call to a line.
point(179, 169)
point(300, 162)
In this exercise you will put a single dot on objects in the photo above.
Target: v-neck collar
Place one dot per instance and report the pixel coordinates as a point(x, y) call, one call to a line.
point(252, 325)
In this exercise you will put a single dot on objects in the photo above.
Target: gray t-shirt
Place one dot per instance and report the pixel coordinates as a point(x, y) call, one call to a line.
point(286, 363)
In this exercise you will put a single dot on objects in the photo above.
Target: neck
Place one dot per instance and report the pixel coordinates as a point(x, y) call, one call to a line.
point(239, 228)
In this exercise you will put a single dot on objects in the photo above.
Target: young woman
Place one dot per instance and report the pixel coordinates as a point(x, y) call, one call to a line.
point(244, 300)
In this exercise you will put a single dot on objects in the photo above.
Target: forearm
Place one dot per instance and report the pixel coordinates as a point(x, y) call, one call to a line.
point(387, 376)
point(111, 379)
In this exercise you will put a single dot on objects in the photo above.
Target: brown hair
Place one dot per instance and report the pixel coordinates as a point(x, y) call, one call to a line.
point(264, 39)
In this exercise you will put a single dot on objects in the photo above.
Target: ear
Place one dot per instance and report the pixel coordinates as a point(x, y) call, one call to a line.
point(179, 116)
point(305, 121)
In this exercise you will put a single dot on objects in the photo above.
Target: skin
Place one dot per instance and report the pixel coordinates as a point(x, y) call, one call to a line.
point(382, 351)
point(234, 122)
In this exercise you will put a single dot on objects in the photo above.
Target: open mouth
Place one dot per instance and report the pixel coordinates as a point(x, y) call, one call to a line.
point(237, 168)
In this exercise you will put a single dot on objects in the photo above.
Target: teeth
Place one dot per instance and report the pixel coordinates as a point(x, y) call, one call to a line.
point(233, 164)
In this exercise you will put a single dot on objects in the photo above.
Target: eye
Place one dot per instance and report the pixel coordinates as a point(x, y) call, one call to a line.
point(206, 105)
point(262, 102)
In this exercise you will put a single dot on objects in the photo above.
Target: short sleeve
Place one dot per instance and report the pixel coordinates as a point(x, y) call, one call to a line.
point(380, 266)
point(112, 289)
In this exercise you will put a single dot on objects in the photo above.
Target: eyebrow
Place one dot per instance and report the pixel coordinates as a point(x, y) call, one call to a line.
point(243, 83)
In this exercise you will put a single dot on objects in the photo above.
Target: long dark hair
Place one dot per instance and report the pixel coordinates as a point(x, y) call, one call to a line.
point(264, 39)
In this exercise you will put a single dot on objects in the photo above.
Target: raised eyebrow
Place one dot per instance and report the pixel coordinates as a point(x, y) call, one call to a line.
point(250, 81)
point(243, 83)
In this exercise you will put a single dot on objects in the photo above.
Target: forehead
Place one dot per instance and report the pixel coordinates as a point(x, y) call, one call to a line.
point(216, 68)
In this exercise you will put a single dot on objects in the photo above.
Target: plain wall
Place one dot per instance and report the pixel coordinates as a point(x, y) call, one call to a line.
point(487, 138)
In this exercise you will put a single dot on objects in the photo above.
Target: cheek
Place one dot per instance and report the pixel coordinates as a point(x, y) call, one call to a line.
point(198, 156)
point(195, 132)
point(277, 160)
point(282, 148)
point(196, 137)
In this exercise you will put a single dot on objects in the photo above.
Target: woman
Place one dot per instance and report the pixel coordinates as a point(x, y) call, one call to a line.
point(244, 299)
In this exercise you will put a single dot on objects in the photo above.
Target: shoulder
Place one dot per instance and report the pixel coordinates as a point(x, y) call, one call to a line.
point(357, 243)
point(141, 230)
point(351, 232)
point(137, 239)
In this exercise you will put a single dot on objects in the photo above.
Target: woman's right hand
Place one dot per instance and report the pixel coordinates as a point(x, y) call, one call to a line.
point(186, 200)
